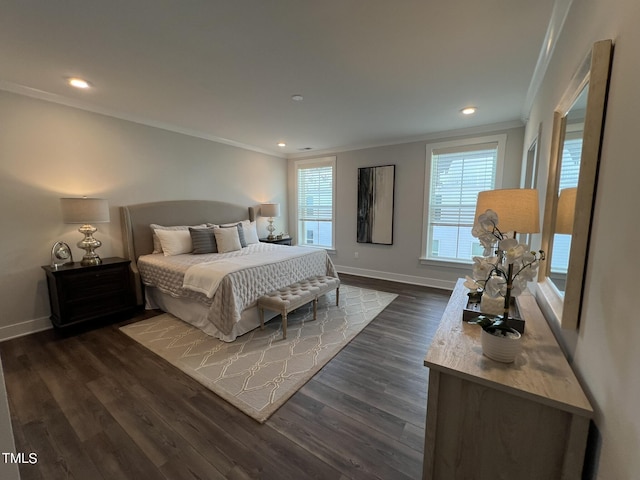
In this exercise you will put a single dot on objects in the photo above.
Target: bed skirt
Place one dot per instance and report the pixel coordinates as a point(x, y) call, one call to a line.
point(196, 314)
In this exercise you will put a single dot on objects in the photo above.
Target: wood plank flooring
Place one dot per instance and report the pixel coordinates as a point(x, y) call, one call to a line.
point(95, 404)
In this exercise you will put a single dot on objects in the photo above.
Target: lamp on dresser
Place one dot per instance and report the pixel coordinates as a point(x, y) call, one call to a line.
point(566, 211)
point(86, 211)
point(517, 208)
point(270, 210)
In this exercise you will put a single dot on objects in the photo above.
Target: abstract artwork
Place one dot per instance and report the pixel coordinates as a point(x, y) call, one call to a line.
point(375, 204)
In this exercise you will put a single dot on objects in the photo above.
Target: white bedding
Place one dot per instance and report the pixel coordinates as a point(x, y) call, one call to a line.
point(206, 277)
point(251, 272)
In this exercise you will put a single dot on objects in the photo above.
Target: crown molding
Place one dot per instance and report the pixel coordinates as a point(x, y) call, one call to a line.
point(89, 107)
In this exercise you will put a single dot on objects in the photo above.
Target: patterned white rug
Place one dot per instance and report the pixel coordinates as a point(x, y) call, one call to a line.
point(259, 371)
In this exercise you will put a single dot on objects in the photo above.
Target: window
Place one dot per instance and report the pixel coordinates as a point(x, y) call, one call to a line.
point(569, 172)
point(315, 201)
point(455, 173)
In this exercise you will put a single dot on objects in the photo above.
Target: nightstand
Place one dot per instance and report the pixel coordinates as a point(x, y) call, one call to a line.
point(281, 241)
point(80, 293)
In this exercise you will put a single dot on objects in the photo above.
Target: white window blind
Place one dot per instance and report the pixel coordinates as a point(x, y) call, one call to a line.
point(315, 208)
point(570, 166)
point(457, 174)
point(569, 172)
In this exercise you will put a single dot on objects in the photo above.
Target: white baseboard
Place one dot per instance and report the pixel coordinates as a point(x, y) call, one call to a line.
point(397, 277)
point(25, 328)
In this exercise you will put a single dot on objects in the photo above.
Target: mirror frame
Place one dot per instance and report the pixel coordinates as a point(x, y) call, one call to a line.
point(594, 71)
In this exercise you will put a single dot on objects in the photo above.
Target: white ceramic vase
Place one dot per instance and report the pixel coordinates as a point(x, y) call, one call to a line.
point(501, 348)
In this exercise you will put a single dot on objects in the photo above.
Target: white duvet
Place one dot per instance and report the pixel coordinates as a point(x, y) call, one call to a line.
point(229, 283)
point(206, 277)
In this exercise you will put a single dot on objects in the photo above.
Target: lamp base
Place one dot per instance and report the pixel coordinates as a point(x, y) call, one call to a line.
point(88, 260)
point(271, 229)
point(89, 244)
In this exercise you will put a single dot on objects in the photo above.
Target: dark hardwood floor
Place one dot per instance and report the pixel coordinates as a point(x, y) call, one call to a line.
point(95, 404)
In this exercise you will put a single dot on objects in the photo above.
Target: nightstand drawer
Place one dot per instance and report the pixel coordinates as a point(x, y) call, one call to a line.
point(88, 283)
point(95, 307)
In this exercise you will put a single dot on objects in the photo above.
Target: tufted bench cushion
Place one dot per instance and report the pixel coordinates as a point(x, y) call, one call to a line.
point(287, 299)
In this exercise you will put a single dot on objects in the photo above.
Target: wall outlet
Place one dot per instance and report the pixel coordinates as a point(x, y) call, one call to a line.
point(355, 254)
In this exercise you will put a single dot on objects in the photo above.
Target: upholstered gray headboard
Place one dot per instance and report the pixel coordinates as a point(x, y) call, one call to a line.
point(137, 236)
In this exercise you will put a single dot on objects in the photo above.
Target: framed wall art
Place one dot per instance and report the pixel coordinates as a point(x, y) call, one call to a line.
point(375, 204)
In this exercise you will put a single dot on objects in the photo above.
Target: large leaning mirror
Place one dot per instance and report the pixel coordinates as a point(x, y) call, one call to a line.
point(573, 167)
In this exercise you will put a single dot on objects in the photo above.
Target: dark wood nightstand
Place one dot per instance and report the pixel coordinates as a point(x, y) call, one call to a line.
point(281, 241)
point(80, 293)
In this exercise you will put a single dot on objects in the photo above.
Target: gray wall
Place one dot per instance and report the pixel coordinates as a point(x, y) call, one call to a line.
point(399, 261)
point(48, 151)
point(604, 348)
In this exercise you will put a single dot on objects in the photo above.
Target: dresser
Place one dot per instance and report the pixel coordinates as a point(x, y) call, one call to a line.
point(80, 293)
point(489, 420)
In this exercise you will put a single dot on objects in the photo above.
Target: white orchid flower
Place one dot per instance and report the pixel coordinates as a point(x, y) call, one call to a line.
point(490, 272)
point(488, 220)
point(485, 229)
point(513, 250)
point(471, 284)
point(496, 286)
point(483, 266)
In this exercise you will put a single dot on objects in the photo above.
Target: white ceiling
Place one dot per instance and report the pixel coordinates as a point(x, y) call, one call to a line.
point(371, 71)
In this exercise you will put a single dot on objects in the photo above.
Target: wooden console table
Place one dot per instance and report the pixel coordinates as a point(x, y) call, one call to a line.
point(489, 420)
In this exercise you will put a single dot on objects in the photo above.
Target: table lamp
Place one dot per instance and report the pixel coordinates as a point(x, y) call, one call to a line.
point(86, 211)
point(270, 210)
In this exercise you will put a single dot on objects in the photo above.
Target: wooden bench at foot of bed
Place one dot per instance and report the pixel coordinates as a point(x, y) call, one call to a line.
point(289, 298)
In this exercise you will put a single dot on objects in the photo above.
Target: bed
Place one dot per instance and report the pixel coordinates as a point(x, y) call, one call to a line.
point(215, 292)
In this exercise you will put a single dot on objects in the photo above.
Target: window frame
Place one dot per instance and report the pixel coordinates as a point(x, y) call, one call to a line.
point(462, 144)
point(301, 234)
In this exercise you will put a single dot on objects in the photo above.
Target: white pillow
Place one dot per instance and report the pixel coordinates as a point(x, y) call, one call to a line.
point(175, 242)
point(250, 232)
point(227, 239)
point(157, 247)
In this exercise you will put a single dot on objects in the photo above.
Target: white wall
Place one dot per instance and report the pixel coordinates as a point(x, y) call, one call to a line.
point(604, 348)
point(399, 261)
point(49, 151)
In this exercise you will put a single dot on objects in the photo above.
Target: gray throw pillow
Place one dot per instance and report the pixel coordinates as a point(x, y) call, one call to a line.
point(204, 240)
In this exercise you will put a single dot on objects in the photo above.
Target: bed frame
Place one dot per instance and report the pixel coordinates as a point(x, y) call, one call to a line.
point(137, 238)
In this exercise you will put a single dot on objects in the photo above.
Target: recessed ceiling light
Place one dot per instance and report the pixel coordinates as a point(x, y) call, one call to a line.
point(297, 98)
point(78, 82)
point(468, 110)
point(282, 144)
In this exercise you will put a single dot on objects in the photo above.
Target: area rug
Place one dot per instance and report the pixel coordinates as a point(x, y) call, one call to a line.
point(259, 371)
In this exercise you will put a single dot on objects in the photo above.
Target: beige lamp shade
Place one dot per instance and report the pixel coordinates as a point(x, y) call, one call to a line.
point(517, 209)
point(270, 209)
point(85, 210)
point(566, 210)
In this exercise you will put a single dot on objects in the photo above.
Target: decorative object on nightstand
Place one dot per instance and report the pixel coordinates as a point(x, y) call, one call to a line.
point(507, 265)
point(86, 211)
point(61, 255)
point(80, 293)
point(270, 210)
point(279, 241)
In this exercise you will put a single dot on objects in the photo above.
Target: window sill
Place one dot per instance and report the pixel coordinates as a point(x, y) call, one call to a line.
point(446, 263)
